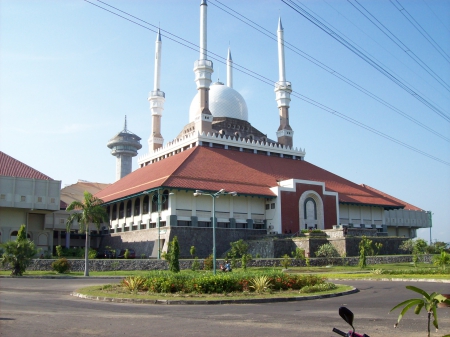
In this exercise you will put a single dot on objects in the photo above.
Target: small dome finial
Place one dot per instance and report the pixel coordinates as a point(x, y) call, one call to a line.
point(280, 26)
point(125, 126)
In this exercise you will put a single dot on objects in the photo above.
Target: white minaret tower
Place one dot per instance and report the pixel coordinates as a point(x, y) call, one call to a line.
point(124, 146)
point(203, 69)
point(229, 69)
point(283, 94)
point(156, 99)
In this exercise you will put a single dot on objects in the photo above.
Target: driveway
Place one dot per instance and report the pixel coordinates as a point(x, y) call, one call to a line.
point(43, 307)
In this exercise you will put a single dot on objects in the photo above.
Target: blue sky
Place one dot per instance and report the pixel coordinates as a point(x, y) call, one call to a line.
point(70, 72)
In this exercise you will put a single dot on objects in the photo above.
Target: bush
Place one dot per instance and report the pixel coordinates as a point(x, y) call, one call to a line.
point(318, 287)
point(208, 263)
point(245, 259)
point(59, 251)
point(298, 254)
point(164, 282)
point(172, 255)
point(327, 250)
point(195, 264)
point(61, 266)
point(286, 261)
point(126, 255)
point(92, 254)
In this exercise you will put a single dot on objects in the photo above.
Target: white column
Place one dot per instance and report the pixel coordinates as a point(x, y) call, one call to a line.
point(281, 69)
point(203, 29)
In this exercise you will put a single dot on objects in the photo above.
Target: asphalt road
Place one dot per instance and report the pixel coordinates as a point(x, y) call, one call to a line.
point(43, 307)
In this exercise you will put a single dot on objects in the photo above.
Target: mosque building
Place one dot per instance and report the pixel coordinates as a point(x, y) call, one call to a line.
point(220, 166)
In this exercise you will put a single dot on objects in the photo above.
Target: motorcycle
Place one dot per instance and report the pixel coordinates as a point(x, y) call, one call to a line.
point(347, 316)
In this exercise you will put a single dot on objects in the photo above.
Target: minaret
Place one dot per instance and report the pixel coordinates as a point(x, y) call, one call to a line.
point(283, 94)
point(203, 69)
point(156, 99)
point(229, 69)
point(124, 145)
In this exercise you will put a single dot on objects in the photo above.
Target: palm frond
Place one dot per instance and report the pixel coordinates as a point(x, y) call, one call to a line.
point(420, 291)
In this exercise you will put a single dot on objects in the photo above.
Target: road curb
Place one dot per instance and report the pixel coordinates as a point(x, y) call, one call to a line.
point(393, 279)
point(200, 302)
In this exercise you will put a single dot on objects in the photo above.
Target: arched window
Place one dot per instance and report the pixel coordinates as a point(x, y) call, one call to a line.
point(137, 206)
point(128, 208)
point(145, 205)
point(121, 213)
point(310, 209)
point(108, 210)
point(114, 212)
point(155, 203)
point(13, 235)
point(165, 200)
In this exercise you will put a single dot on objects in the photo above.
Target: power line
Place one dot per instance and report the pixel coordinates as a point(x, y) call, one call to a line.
point(366, 58)
point(420, 29)
point(400, 44)
point(270, 82)
point(313, 60)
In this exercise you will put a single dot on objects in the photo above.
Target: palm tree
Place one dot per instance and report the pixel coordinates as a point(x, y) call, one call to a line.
point(87, 212)
point(428, 301)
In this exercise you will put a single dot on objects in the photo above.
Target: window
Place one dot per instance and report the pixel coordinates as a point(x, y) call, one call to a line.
point(39, 199)
point(272, 205)
point(137, 206)
point(2, 197)
point(129, 208)
point(267, 206)
point(121, 207)
point(23, 198)
point(155, 203)
point(145, 205)
point(52, 200)
point(114, 212)
point(182, 223)
point(61, 221)
point(165, 200)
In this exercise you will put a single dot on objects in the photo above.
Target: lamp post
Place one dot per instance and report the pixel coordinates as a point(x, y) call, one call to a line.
point(214, 196)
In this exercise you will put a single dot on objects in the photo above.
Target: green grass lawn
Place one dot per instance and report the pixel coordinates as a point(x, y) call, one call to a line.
point(335, 272)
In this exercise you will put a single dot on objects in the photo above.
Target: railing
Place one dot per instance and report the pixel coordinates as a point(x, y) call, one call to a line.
point(157, 93)
point(203, 63)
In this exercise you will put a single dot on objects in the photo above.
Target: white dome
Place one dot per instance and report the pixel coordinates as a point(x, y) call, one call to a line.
point(223, 102)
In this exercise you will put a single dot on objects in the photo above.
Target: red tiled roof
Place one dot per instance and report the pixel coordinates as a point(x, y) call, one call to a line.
point(212, 169)
point(407, 206)
point(13, 168)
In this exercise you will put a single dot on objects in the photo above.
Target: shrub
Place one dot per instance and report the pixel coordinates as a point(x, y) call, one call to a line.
point(61, 265)
point(327, 250)
point(126, 255)
point(365, 248)
point(195, 265)
point(133, 283)
point(286, 261)
point(92, 254)
point(172, 255)
point(192, 251)
point(298, 254)
point(164, 282)
point(208, 263)
point(260, 284)
point(143, 256)
point(441, 260)
point(59, 251)
point(318, 287)
point(245, 259)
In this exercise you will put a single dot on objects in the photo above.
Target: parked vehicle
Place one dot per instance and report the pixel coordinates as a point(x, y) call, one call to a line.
point(109, 254)
point(347, 316)
point(121, 254)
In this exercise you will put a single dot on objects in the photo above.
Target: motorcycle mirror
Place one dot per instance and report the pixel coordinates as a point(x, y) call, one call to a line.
point(347, 316)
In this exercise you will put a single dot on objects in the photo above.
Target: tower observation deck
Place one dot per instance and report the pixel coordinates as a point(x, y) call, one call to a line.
point(124, 146)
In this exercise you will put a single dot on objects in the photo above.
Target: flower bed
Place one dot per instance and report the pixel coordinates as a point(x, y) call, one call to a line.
point(221, 283)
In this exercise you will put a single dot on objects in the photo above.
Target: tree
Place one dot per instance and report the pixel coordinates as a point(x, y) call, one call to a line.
point(172, 255)
point(238, 250)
point(19, 253)
point(192, 251)
point(365, 249)
point(87, 212)
point(428, 301)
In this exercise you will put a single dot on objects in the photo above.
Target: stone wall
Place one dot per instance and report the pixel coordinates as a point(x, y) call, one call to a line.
point(153, 264)
point(146, 241)
point(348, 245)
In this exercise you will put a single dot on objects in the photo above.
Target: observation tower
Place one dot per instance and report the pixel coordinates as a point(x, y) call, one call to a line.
point(124, 145)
